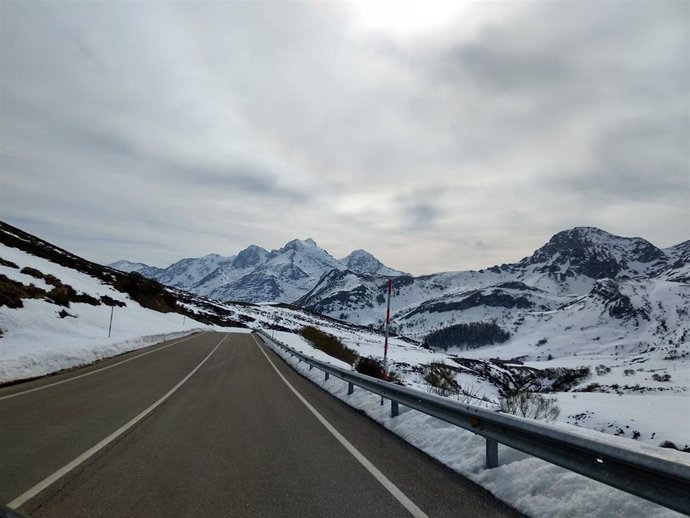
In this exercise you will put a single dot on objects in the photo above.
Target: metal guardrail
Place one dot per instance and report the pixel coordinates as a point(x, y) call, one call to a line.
point(654, 478)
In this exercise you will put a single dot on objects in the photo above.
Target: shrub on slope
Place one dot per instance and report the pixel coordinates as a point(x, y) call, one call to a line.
point(471, 335)
point(329, 344)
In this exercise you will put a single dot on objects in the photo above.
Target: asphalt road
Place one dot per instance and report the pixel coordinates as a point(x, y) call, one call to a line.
point(230, 439)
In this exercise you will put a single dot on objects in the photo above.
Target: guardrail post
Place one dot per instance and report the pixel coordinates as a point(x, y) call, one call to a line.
point(394, 409)
point(326, 377)
point(350, 388)
point(491, 453)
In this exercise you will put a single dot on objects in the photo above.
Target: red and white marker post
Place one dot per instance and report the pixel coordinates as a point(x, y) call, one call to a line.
point(385, 341)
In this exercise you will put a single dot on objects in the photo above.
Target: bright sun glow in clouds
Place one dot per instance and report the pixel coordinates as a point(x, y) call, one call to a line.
point(407, 16)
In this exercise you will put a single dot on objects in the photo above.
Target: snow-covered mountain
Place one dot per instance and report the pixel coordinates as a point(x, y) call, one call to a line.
point(128, 266)
point(361, 261)
point(187, 273)
point(256, 275)
point(141, 268)
point(283, 275)
point(230, 271)
point(573, 259)
point(570, 266)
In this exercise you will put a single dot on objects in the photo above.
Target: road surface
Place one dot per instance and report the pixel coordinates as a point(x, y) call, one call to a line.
point(208, 426)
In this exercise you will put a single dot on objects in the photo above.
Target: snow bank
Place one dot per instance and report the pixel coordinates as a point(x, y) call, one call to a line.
point(36, 340)
point(533, 486)
point(28, 351)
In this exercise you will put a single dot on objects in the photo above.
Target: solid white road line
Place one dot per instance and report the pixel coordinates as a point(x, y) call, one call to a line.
point(385, 482)
point(26, 496)
point(96, 370)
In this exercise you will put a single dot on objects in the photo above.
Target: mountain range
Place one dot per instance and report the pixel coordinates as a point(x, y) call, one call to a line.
point(575, 266)
point(257, 275)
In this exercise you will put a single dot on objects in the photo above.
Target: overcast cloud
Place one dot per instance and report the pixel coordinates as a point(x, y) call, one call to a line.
point(153, 131)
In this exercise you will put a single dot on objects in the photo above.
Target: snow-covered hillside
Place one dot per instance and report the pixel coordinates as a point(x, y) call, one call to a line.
point(532, 486)
point(629, 387)
point(44, 332)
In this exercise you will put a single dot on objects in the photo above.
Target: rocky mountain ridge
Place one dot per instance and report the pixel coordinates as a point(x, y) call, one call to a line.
point(257, 275)
point(583, 265)
point(568, 265)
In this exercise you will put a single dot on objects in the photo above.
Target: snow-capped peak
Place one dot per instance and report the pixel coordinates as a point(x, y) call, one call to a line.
point(283, 275)
point(306, 255)
point(128, 266)
point(251, 256)
point(361, 261)
point(596, 254)
point(187, 272)
point(298, 244)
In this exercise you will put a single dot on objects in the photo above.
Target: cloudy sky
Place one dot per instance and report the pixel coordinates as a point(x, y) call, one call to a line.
point(438, 135)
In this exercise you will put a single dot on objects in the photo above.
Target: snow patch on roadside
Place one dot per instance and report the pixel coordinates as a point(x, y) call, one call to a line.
point(40, 361)
point(530, 485)
point(42, 338)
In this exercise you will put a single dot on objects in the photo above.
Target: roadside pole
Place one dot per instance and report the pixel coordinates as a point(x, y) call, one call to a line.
point(110, 327)
point(388, 321)
point(385, 340)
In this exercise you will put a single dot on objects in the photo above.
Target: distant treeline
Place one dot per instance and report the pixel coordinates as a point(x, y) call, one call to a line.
point(472, 335)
